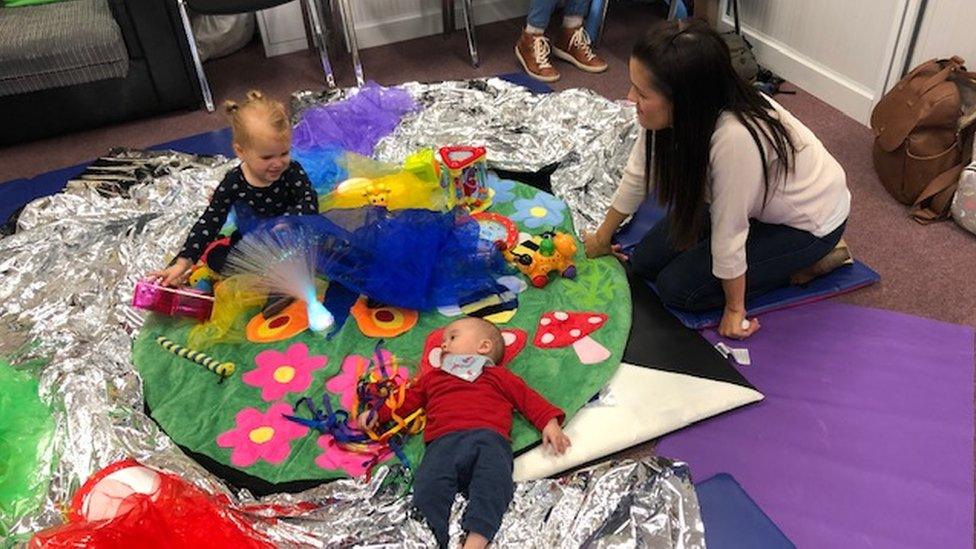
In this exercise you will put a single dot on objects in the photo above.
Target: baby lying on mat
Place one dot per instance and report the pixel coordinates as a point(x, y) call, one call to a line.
point(469, 404)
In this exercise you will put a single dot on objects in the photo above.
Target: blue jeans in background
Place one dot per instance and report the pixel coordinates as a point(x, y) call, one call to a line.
point(541, 10)
point(684, 279)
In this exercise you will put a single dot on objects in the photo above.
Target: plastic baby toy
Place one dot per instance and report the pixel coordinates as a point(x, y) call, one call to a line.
point(537, 256)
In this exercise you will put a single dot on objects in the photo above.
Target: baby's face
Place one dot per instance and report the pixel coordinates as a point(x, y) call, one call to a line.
point(465, 337)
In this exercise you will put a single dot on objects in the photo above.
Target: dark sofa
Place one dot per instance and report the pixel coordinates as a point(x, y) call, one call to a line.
point(159, 75)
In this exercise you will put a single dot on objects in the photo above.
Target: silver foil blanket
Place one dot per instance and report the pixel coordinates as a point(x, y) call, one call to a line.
point(586, 137)
point(66, 281)
point(646, 503)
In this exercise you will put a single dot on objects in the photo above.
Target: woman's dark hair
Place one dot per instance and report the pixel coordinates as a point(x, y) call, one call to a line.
point(690, 65)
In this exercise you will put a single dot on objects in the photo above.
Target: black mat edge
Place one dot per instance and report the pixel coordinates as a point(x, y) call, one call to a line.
point(659, 341)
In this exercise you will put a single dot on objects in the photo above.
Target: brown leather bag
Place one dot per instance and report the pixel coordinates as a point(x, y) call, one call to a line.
point(921, 130)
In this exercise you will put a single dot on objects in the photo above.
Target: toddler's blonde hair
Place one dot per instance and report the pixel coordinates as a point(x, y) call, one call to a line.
point(256, 107)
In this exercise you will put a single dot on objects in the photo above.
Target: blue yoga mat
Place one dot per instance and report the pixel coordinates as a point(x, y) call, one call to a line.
point(841, 281)
point(526, 81)
point(845, 279)
point(732, 520)
point(17, 193)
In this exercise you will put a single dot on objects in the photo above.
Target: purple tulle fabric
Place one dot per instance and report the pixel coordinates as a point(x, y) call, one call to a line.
point(355, 124)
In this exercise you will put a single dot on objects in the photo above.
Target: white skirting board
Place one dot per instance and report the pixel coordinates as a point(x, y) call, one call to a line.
point(647, 403)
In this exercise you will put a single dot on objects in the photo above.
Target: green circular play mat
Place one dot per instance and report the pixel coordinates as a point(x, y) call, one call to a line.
point(239, 422)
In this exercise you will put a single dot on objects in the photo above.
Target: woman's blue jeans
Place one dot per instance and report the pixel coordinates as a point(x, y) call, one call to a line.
point(684, 278)
point(541, 10)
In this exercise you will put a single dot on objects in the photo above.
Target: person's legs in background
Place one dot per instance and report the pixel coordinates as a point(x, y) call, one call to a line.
point(532, 48)
point(572, 44)
point(540, 11)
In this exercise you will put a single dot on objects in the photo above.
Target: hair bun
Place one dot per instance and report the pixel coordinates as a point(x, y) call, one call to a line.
point(255, 94)
point(231, 106)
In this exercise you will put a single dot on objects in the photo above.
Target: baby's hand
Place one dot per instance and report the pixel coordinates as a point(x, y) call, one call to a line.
point(554, 438)
point(172, 275)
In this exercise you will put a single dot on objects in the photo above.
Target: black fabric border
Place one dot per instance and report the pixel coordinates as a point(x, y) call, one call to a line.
point(659, 341)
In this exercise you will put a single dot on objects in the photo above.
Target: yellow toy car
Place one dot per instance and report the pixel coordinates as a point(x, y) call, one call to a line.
point(537, 256)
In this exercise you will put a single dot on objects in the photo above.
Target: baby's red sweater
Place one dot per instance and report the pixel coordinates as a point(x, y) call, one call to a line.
point(453, 404)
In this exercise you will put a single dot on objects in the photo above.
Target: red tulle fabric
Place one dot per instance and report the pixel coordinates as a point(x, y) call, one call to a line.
point(178, 515)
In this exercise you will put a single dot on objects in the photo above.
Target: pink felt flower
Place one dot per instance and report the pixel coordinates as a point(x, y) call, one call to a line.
point(279, 373)
point(259, 435)
point(335, 457)
point(354, 366)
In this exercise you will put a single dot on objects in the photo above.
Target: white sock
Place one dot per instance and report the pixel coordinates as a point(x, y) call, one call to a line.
point(534, 30)
point(572, 21)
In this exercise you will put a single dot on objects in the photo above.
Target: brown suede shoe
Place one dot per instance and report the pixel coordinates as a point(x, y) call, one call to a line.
point(838, 257)
point(573, 45)
point(533, 51)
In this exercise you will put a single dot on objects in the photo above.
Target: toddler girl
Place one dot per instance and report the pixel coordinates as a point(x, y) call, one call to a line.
point(267, 183)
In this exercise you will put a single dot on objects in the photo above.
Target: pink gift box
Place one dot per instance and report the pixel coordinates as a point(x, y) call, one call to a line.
point(172, 301)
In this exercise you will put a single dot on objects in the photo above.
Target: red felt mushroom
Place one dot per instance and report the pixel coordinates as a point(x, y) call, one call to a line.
point(561, 328)
point(514, 343)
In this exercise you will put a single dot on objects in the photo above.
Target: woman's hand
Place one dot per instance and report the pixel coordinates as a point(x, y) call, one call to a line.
point(735, 325)
point(597, 246)
point(174, 274)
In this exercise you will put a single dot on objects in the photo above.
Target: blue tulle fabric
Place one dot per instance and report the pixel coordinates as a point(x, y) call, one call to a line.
point(323, 165)
point(415, 259)
point(355, 124)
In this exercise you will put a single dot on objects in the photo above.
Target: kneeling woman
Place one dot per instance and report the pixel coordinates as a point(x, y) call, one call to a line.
point(752, 195)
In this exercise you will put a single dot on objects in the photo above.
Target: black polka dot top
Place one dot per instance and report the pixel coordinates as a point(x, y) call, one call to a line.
point(291, 194)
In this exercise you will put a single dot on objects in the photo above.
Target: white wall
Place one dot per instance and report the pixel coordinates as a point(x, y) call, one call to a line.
point(380, 22)
point(838, 50)
point(948, 28)
point(385, 21)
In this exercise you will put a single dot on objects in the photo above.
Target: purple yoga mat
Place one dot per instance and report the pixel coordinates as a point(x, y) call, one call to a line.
point(865, 437)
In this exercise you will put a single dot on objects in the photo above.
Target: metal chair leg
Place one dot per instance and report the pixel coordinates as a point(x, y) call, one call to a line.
point(315, 19)
point(349, 25)
point(447, 14)
point(469, 27)
point(201, 76)
point(339, 6)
